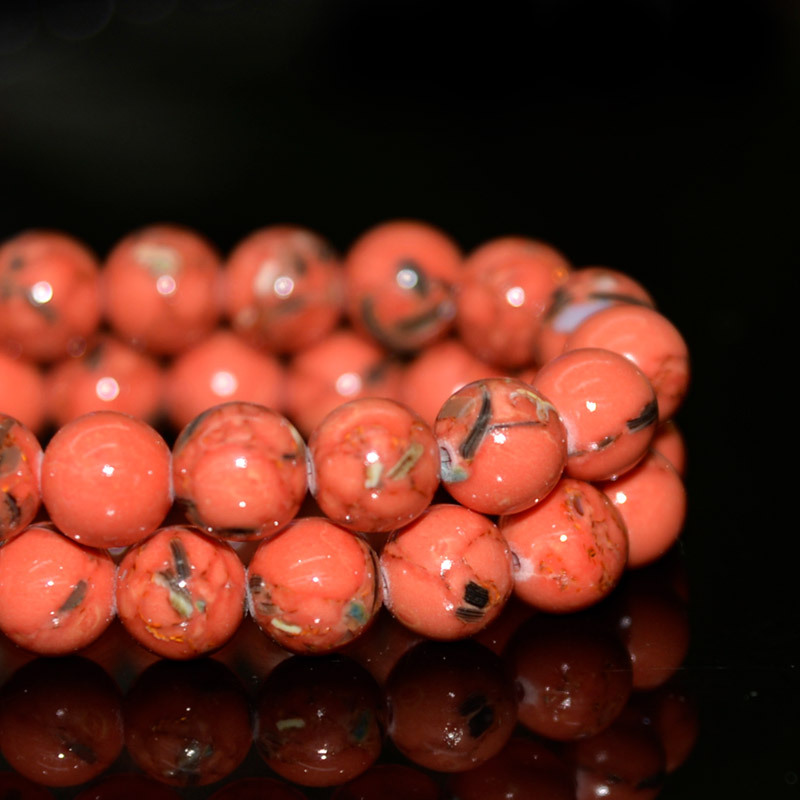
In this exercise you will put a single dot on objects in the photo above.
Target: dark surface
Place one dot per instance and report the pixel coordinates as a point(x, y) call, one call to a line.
point(659, 137)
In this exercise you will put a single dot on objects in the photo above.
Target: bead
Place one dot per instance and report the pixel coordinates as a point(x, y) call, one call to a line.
point(181, 593)
point(568, 552)
point(651, 500)
point(221, 369)
point(20, 466)
point(109, 376)
point(375, 465)
point(502, 445)
point(49, 295)
point(389, 782)
point(314, 586)
point(60, 721)
point(451, 705)
point(439, 371)
point(503, 291)
point(319, 721)
point(160, 287)
point(342, 367)
point(56, 596)
point(648, 339)
point(448, 574)
point(22, 394)
point(106, 479)
point(608, 408)
point(399, 281)
point(239, 470)
point(258, 789)
point(187, 724)
point(127, 786)
point(584, 292)
point(284, 288)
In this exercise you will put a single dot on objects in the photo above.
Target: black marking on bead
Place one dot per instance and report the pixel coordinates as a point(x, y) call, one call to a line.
point(615, 297)
point(647, 418)
point(522, 423)
point(561, 298)
point(255, 583)
point(371, 322)
point(14, 511)
point(94, 356)
point(300, 264)
point(475, 702)
point(190, 429)
point(76, 596)
point(420, 320)
point(182, 566)
point(476, 595)
point(652, 781)
point(325, 252)
point(237, 533)
point(377, 371)
point(577, 503)
point(474, 438)
point(606, 441)
point(469, 613)
point(9, 458)
point(516, 564)
point(422, 287)
point(481, 722)
point(79, 749)
point(16, 263)
point(290, 456)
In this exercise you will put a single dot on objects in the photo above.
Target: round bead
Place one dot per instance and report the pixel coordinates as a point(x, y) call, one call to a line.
point(106, 479)
point(49, 296)
point(570, 551)
point(284, 288)
point(109, 376)
point(239, 470)
point(342, 367)
point(447, 575)
point(400, 277)
point(160, 287)
point(504, 289)
point(648, 339)
point(22, 394)
point(651, 500)
point(181, 593)
point(221, 369)
point(20, 465)
point(670, 443)
point(608, 408)
point(375, 465)
point(314, 586)
point(502, 445)
point(389, 782)
point(56, 596)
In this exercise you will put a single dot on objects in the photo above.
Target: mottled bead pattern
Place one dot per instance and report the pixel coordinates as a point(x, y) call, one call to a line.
point(20, 465)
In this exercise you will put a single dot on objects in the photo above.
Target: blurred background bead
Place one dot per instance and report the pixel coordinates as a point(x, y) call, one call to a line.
point(22, 393)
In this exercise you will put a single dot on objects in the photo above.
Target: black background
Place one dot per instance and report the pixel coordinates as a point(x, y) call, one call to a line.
point(659, 137)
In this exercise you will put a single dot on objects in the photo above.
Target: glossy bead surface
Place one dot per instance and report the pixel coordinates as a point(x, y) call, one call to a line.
point(314, 586)
point(181, 593)
point(221, 369)
point(106, 479)
point(20, 464)
point(284, 288)
point(56, 596)
point(502, 445)
point(375, 465)
point(648, 339)
point(49, 296)
point(569, 551)
point(504, 289)
point(22, 393)
point(399, 280)
point(608, 408)
point(160, 287)
point(448, 574)
point(239, 470)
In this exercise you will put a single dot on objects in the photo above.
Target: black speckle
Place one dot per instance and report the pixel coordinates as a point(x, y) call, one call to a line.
point(606, 441)
point(94, 356)
point(475, 702)
point(182, 566)
point(648, 417)
point(76, 596)
point(469, 613)
point(79, 749)
point(256, 583)
point(560, 299)
point(614, 297)
point(476, 595)
point(299, 263)
point(16, 263)
point(481, 722)
point(470, 445)
point(14, 511)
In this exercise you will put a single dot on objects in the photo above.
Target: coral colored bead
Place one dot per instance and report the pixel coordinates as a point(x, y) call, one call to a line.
point(342, 367)
point(314, 586)
point(239, 470)
point(181, 593)
point(221, 369)
point(448, 574)
point(106, 479)
point(608, 408)
point(439, 371)
point(670, 443)
point(399, 278)
point(160, 287)
point(22, 394)
point(648, 339)
point(651, 500)
point(504, 289)
point(375, 465)
point(284, 288)
point(583, 293)
point(569, 551)
point(502, 445)
point(109, 376)
point(20, 464)
point(56, 596)
point(49, 296)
